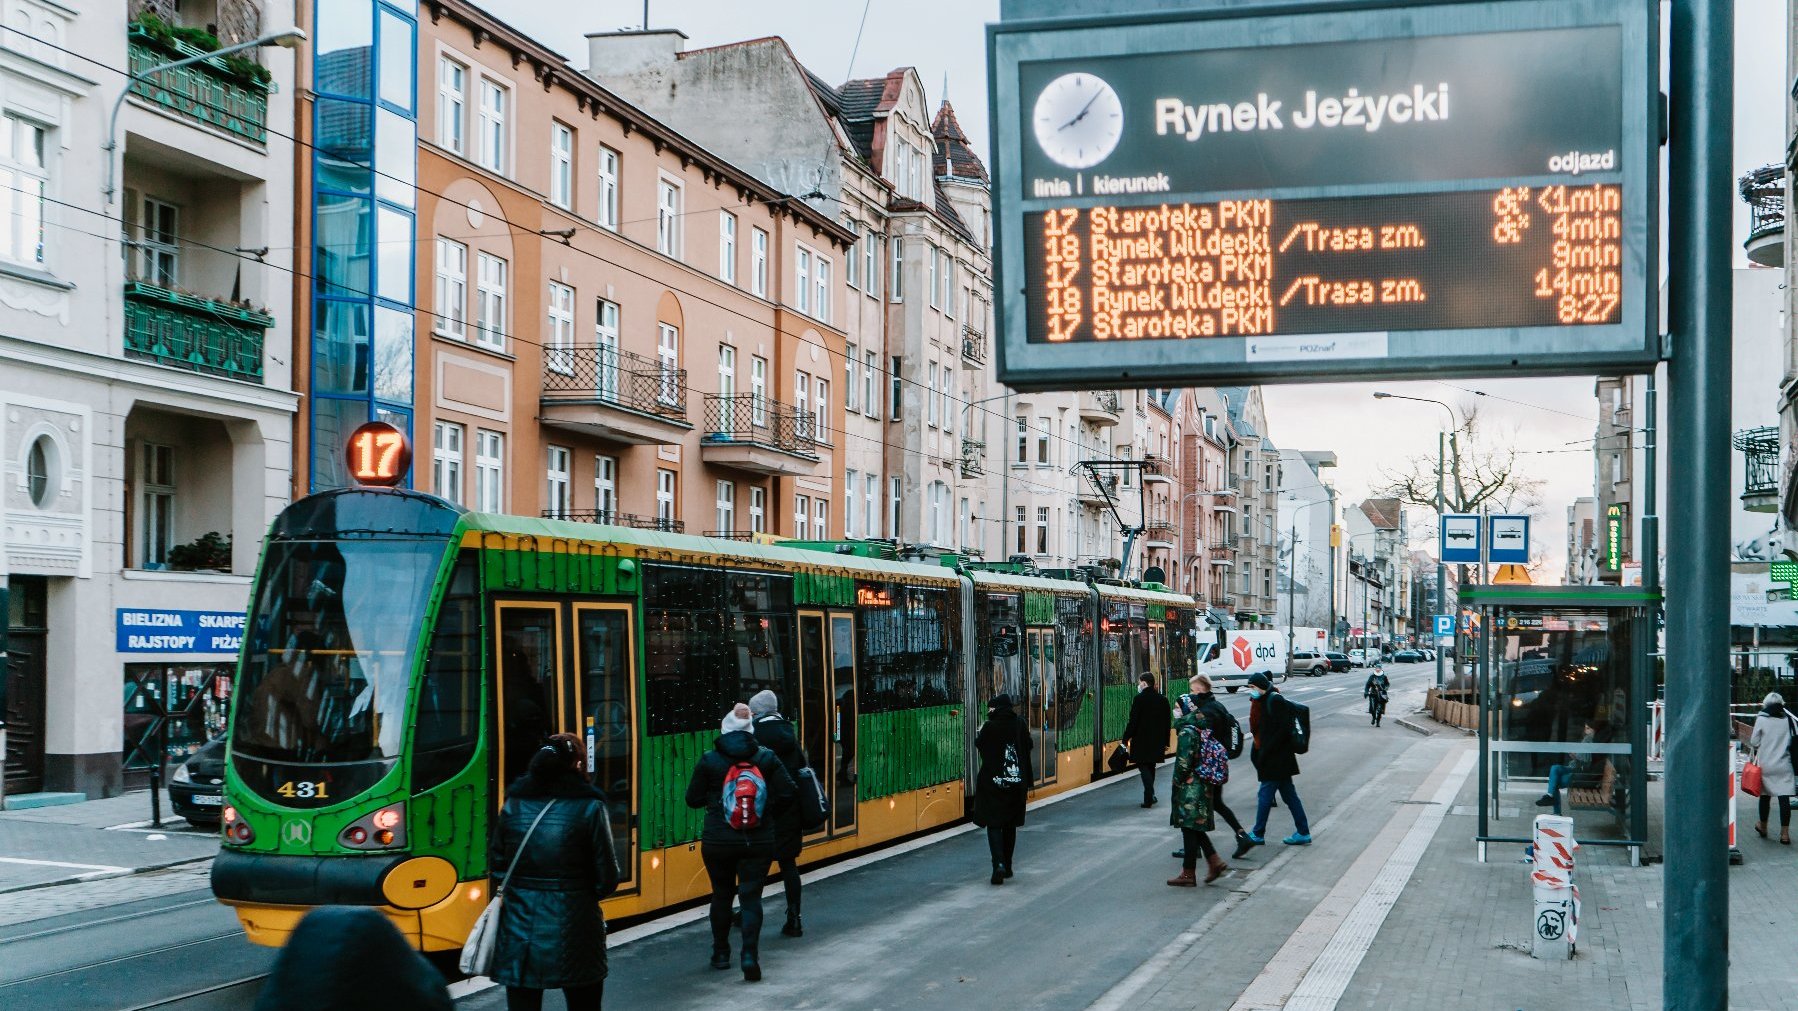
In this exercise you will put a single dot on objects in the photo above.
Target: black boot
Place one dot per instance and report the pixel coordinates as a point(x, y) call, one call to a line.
point(793, 927)
point(998, 874)
point(1243, 845)
point(720, 956)
point(1008, 870)
point(752, 966)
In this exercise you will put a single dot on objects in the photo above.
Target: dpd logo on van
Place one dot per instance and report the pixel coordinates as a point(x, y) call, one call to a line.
point(1241, 652)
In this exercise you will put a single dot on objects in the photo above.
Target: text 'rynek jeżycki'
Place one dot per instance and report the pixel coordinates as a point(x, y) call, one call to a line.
point(1369, 112)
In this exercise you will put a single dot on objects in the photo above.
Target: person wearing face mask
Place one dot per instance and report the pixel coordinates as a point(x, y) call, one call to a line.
point(1270, 724)
point(1228, 733)
point(1145, 735)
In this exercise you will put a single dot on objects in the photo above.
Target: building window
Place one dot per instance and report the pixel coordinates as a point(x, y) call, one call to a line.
point(726, 513)
point(452, 98)
point(821, 517)
point(870, 391)
point(1023, 440)
point(490, 301)
point(668, 223)
point(965, 521)
point(1042, 530)
point(758, 391)
point(758, 510)
point(896, 286)
point(893, 508)
point(852, 261)
point(931, 261)
point(608, 189)
point(727, 371)
point(821, 408)
point(946, 393)
point(558, 348)
point(930, 399)
point(802, 291)
point(821, 289)
point(939, 520)
point(668, 360)
point(946, 277)
point(452, 289)
point(156, 482)
point(489, 471)
point(758, 266)
point(851, 485)
point(851, 387)
point(557, 489)
point(159, 245)
point(870, 504)
point(871, 264)
point(605, 486)
point(727, 247)
point(493, 126)
point(1023, 530)
point(446, 461)
point(802, 516)
point(561, 165)
point(605, 335)
point(893, 391)
point(802, 390)
point(1044, 455)
point(664, 496)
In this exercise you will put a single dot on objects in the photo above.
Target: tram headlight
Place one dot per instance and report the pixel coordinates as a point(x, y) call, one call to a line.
point(377, 830)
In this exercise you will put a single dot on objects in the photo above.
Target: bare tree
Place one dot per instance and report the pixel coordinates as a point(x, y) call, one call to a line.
point(1482, 470)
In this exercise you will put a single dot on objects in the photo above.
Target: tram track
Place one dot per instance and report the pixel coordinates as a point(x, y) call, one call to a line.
point(231, 994)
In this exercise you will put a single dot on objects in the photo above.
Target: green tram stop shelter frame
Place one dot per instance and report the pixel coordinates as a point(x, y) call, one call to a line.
point(1563, 678)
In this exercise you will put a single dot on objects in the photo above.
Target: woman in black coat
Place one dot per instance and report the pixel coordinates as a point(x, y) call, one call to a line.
point(1002, 785)
point(351, 958)
point(551, 933)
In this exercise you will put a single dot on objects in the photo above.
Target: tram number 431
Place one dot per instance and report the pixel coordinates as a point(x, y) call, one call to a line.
point(379, 454)
point(303, 790)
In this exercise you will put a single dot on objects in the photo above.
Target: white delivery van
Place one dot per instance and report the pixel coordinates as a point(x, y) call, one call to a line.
point(1244, 652)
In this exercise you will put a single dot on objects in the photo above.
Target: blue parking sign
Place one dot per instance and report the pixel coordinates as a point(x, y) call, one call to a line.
point(1445, 626)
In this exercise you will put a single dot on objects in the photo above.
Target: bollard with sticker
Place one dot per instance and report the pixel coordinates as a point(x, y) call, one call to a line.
point(1555, 932)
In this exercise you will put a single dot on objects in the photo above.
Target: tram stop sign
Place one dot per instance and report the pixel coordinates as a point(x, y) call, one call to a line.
point(1409, 190)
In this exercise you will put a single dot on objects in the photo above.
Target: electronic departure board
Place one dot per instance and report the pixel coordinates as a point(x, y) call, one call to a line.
point(1450, 189)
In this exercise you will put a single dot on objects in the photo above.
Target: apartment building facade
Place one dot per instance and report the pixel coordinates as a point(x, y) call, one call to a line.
point(1307, 519)
point(145, 393)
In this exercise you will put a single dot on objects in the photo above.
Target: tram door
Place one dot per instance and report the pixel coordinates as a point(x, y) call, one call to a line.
point(1039, 650)
point(530, 694)
point(605, 705)
point(827, 709)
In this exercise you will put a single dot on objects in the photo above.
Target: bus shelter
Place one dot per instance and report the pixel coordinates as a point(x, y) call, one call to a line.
point(1563, 679)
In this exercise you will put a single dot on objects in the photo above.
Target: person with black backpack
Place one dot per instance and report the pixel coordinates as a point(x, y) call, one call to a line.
point(807, 814)
point(1281, 730)
point(1228, 733)
point(1003, 783)
point(744, 790)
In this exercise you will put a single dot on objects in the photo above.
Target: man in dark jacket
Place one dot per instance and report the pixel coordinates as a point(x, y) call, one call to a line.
point(1002, 786)
point(736, 859)
point(1270, 723)
point(1151, 720)
point(777, 735)
point(351, 958)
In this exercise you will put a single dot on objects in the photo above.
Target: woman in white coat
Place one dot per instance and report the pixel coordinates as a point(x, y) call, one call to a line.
point(1771, 747)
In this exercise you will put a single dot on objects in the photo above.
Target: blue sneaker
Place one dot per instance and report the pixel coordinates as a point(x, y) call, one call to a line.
point(1296, 839)
point(1254, 838)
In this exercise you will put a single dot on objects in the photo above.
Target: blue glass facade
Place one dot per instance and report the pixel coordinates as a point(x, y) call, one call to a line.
point(364, 227)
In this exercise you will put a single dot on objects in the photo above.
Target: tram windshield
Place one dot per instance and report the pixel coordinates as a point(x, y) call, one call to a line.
point(332, 637)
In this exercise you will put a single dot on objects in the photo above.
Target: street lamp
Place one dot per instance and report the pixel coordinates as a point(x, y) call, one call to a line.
point(1441, 567)
point(1292, 566)
point(287, 38)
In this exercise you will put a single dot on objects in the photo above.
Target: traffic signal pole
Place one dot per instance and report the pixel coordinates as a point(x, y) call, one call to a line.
point(1695, 906)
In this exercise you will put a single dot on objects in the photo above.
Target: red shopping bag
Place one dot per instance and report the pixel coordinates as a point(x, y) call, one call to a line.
point(1751, 779)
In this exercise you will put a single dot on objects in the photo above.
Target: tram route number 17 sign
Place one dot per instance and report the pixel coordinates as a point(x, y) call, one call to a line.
point(1417, 190)
point(155, 630)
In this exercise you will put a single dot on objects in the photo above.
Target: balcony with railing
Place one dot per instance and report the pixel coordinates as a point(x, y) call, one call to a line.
point(211, 336)
point(973, 347)
point(613, 518)
point(759, 436)
point(600, 391)
point(1160, 533)
point(226, 93)
point(1764, 191)
point(1760, 456)
point(973, 458)
point(1100, 407)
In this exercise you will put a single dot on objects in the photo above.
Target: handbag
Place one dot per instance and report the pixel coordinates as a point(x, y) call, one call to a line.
point(1119, 760)
point(477, 951)
point(1751, 779)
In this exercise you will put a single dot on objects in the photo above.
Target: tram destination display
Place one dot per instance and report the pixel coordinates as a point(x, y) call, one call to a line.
point(1429, 190)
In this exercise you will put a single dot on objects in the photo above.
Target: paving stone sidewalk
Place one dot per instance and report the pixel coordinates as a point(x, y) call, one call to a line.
point(94, 840)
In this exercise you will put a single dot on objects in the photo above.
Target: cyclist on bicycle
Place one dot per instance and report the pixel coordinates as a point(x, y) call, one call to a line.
point(1375, 691)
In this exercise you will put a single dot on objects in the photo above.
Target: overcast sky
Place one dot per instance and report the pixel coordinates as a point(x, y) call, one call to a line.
point(945, 40)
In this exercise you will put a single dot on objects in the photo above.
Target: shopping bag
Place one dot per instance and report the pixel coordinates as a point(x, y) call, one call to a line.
point(1751, 779)
point(1119, 760)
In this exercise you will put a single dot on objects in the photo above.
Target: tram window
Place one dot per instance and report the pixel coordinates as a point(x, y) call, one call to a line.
point(527, 684)
point(760, 612)
point(998, 623)
point(713, 638)
point(1115, 667)
point(449, 696)
point(910, 646)
point(606, 720)
point(1074, 643)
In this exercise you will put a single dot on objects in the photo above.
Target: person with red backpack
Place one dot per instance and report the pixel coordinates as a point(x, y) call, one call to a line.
point(744, 790)
point(1201, 764)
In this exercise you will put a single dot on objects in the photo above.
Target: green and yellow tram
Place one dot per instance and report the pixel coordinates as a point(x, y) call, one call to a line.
point(403, 659)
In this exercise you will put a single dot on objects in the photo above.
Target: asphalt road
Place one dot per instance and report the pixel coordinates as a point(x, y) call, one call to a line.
point(922, 928)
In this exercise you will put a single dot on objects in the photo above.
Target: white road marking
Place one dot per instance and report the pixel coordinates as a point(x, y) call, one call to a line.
point(1338, 689)
point(97, 868)
point(1313, 968)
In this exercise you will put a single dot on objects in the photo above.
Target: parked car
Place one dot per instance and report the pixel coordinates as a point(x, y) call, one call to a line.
point(1339, 661)
point(1429, 655)
point(1407, 656)
point(1357, 657)
point(197, 786)
point(1308, 663)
